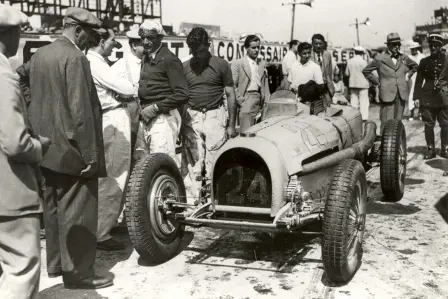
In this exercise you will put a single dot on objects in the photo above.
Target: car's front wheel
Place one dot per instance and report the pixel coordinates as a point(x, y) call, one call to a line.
point(344, 222)
point(154, 233)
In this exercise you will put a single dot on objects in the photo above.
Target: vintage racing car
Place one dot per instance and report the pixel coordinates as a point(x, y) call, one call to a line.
point(300, 164)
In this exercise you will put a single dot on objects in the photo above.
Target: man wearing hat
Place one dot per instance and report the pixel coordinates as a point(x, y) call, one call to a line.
point(114, 93)
point(428, 98)
point(65, 108)
point(358, 84)
point(20, 153)
point(417, 56)
point(394, 69)
point(162, 90)
point(129, 68)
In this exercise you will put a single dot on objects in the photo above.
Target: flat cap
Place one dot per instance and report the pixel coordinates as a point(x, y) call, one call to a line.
point(414, 45)
point(80, 16)
point(11, 17)
point(133, 34)
point(359, 49)
point(435, 38)
point(151, 27)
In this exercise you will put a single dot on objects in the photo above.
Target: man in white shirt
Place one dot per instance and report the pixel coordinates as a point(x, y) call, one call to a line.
point(358, 84)
point(113, 93)
point(290, 57)
point(304, 70)
point(129, 68)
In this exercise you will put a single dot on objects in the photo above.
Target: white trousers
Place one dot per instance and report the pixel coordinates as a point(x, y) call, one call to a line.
point(359, 99)
point(19, 256)
point(202, 135)
point(160, 135)
point(117, 150)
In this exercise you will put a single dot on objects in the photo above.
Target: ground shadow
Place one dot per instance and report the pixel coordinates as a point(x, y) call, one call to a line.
point(59, 291)
point(384, 208)
point(419, 149)
point(441, 164)
point(282, 251)
point(186, 240)
point(411, 181)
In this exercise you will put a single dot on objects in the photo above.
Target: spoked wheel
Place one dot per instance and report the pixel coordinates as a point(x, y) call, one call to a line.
point(153, 231)
point(393, 160)
point(344, 222)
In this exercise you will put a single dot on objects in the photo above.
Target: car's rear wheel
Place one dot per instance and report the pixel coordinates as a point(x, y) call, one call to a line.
point(344, 222)
point(155, 235)
point(393, 158)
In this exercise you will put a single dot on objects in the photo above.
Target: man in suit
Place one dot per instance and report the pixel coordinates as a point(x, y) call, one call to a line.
point(358, 84)
point(323, 58)
point(65, 108)
point(251, 83)
point(20, 153)
point(394, 69)
point(162, 90)
point(427, 97)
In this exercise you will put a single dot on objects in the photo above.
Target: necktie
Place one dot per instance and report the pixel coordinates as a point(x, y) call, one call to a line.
point(319, 59)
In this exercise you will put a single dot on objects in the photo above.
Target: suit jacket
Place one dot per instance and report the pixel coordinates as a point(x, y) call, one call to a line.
point(19, 151)
point(392, 78)
point(65, 108)
point(241, 74)
point(327, 69)
point(162, 80)
point(429, 71)
point(354, 72)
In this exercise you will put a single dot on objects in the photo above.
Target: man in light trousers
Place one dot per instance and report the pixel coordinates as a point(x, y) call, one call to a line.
point(113, 93)
point(358, 84)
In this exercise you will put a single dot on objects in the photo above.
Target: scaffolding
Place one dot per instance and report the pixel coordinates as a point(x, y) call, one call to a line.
point(127, 12)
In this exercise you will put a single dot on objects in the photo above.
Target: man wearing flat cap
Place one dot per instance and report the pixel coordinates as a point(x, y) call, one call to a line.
point(65, 108)
point(394, 69)
point(417, 56)
point(21, 151)
point(428, 98)
point(162, 90)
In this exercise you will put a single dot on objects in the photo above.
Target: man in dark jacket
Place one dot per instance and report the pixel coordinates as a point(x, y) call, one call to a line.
point(65, 108)
point(428, 98)
point(162, 90)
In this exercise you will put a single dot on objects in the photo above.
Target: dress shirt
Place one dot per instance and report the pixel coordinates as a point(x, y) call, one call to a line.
point(129, 68)
point(302, 73)
point(107, 82)
point(254, 84)
point(288, 61)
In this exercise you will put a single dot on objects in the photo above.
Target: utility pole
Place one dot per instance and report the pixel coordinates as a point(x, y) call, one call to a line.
point(356, 24)
point(306, 2)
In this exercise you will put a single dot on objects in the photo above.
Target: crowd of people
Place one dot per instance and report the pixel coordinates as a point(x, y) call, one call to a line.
point(73, 126)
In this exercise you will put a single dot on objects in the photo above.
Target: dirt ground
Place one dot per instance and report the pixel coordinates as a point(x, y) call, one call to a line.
point(405, 253)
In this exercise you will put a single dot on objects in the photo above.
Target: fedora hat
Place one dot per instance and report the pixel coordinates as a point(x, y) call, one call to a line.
point(393, 38)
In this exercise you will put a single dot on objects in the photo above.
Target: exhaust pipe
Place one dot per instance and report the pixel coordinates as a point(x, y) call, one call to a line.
point(356, 151)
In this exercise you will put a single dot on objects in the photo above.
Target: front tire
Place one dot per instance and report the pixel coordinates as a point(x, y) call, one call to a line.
point(344, 222)
point(393, 160)
point(154, 236)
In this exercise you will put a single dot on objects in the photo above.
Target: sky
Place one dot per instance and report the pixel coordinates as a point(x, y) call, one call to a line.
point(328, 17)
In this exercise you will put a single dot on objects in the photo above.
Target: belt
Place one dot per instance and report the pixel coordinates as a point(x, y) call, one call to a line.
point(121, 105)
point(252, 91)
point(205, 109)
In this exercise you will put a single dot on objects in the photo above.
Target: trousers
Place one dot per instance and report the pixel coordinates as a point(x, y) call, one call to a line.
point(19, 256)
point(429, 116)
point(70, 215)
point(202, 135)
point(160, 135)
point(117, 152)
point(359, 99)
point(392, 110)
point(249, 110)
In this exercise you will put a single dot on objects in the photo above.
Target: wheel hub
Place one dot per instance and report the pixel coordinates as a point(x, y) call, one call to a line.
point(361, 222)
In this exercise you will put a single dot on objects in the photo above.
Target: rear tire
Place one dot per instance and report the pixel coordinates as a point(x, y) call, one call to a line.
point(344, 222)
point(393, 160)
point(154, 236)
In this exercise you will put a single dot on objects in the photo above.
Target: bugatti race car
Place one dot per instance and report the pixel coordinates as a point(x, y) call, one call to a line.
point(301, 164)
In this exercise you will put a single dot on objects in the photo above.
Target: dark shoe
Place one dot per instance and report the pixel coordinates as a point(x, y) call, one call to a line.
point(54, 275)
point(94, 282)
point(110, 245)
point(431, 154)
point(444, 154)
point(445, 173)
point(119, 230)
